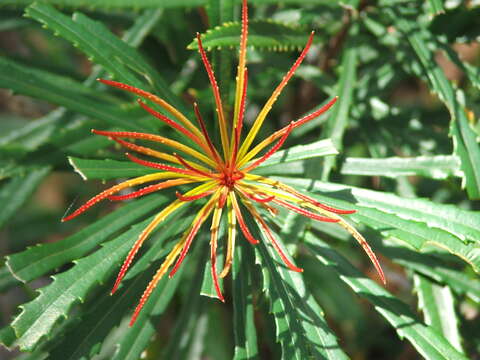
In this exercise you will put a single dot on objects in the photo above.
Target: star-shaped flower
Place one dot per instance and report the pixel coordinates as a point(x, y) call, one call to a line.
point(224, 175)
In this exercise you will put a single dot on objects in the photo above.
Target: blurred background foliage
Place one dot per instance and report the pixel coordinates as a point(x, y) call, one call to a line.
point(406, 126)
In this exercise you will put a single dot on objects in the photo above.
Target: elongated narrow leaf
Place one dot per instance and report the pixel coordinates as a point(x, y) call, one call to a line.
point(77, 34)
point(436, 167)
point(136, 339)
point(301, 152)
point(300, 326)
point(39, 260)
point(86, 340)
point(464, 137)
point(54, 302)
point(434, 268)
point(208, 286)
point(417, 223)
point(17, 190)
point(108, 169)
point(189, 332)
point(244, 326)
point(30, 136)
point(438, 307)
point(38, 132)
point(104, 48)
point(428, 342)
point(339, 115)
point(262, 34)
point(61, 91)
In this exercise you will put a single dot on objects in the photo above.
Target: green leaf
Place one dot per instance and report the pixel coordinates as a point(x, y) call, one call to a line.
point(416, 223)
point(262, 34)
point(29, 137)
point(44, 258)
point(187, 340)
point(86, 338)
point(438, 307)
point(36, 133)
point(136, 339)
point(107, 169)
point(436, 167)
point(104, 48)
point(17, 191)
point(301, 152)
point(429, 343)
point(220, 12)
point(109, 4)
point(54, 302)
point(78, 32)
point(7, 336)
point(208, 286)
point(464, 137)
point(434, 268)
point(62, 91)
point(300, 326)
point(243, 313)
point(339, 115)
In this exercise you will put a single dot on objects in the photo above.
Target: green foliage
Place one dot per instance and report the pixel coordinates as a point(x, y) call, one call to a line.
point(262, 34)
point(400, 147)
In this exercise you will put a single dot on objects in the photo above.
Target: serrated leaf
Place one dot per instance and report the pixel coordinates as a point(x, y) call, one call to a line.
point(435, 167)
point(17, 190)
point(300, 326)
point(105, 313)
point(41, 259)
point(417, 223)
point(438, 307)
point(262, 34)
point(54, 302)
point(104, 48)
point(42, 130)
point(427, 341)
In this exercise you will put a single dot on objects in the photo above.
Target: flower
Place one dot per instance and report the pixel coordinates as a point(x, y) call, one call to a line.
point(223, 176)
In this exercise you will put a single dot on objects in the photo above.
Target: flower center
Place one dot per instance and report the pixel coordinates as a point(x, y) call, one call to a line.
point(229, 178)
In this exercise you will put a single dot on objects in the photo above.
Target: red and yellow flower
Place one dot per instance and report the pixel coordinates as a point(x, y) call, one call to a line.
point(223, 176)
